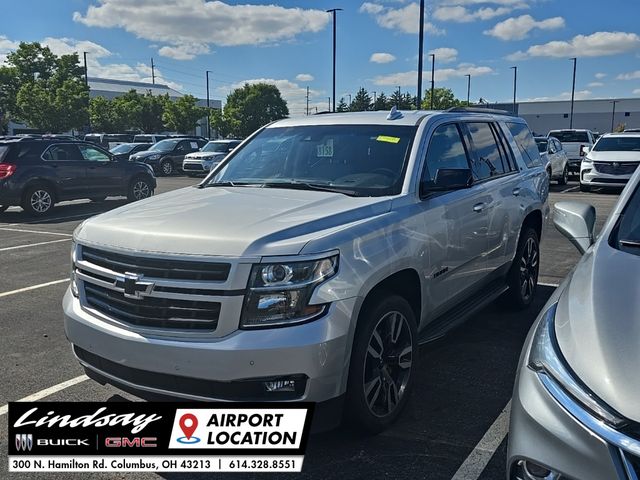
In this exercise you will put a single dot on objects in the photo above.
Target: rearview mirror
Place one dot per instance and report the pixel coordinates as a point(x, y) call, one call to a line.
point(576, 221)
point(448, 179)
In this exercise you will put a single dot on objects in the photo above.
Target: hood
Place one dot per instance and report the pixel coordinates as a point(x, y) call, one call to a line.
point(228, 221)
point(207, 155)
point(598, 326)
point(614, 156)
point(148, 153)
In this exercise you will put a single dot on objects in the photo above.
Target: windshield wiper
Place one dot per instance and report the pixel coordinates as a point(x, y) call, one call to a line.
point(630, 243)
point(310, 186)
point(229, 184)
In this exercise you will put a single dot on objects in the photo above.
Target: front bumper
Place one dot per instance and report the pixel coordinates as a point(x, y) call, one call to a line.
point(317, 351)
point(566, 439)
point(590, 176)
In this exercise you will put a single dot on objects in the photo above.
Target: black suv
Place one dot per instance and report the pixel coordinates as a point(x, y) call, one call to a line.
point(166, 156)
point(36, 174)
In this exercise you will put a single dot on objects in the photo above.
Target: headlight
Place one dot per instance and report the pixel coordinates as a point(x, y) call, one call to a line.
point(154, 156)
point(587, 160)
point(546, 358)
point(72, 277)
point(279, 293)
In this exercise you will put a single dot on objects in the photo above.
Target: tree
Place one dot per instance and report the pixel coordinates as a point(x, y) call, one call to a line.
point(43, 90)
point(152, 112)
point(221, 124)
point(382, 102)
point(342, 106)
point(361, 102)
point(182, 115)
point(249, 108)
point(443, 98)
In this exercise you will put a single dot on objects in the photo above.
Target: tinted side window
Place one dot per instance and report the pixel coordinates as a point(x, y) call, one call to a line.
point(488, 161)
point(526, 143)
point(93, 154)
point(62, 152)
point(446, 150)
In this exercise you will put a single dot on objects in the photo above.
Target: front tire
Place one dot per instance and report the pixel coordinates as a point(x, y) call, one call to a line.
point(383, 360)
point(38, 200)
point(523, 275)
point(564, 179)
point(139, 189)
point(166, 167)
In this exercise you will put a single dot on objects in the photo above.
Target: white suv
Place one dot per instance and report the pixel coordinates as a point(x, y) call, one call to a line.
point(611, 161)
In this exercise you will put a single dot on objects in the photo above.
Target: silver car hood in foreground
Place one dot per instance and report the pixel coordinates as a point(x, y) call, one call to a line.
point(240, 221)
point(598, 326)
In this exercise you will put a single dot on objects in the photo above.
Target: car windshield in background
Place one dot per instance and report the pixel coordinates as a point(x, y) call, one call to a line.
point(164, 145)
point(618, 144)
point(542, 145)
point(569, 136)
point(216, 147)
point(122, 148)
point(358, 160)
point(626, 236)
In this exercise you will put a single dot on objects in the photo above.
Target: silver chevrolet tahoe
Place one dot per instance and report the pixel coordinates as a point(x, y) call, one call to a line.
point(312, 262)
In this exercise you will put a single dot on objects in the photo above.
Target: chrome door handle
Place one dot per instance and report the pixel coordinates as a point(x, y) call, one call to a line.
point(478, 207)
point(516, 192)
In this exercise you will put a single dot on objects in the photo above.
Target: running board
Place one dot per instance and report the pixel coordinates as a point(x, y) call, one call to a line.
point(461, 312)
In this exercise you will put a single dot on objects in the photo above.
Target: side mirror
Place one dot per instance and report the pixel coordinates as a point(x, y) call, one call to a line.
point(448, 179)
point(576, 220)
point(586, 149)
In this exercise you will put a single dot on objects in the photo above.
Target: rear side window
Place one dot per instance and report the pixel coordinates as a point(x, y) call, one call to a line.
point(446, 150)
point(488, 161)
point(62, 152)
point(526, 144)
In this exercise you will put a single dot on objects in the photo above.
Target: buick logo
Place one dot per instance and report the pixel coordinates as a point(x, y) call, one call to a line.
point(136, 287)
point(616, 165)
point(24, 441)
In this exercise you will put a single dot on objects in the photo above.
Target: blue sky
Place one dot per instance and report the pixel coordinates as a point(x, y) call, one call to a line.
point(288, 42)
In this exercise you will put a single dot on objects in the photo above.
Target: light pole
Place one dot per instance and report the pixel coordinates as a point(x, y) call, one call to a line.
point(433, 77)
point(515, 86)
point(420, 46)
point(86, 82)
point(573, 91)
point(208, 107)
point(333, 12)
point(613, 114)
point(349, 100)
point(399, 98)
point(468, 75)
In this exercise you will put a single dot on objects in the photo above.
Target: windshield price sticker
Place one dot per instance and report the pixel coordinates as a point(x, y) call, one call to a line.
point(162, 436)
point(194, 145)
point(325, 149)
point(385, 138)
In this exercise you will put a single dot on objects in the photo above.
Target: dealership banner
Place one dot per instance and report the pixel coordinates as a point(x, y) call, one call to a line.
point(157, 436)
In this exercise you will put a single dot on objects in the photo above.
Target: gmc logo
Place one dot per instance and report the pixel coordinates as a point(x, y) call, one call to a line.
point(130, 442)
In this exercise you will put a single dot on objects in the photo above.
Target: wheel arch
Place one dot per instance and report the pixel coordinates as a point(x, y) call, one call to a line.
point(40, 181)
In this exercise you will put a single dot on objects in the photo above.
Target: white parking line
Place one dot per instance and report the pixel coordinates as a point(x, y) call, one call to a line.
point(570, 189)
point(476, 462)
point(35, 231)
point(33, 287)
point(34, 244)
point(46, 392)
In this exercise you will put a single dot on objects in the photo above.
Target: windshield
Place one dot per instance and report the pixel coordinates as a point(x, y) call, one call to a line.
point(363, 160)
point(122, 148)
point(618, 144)
point(216, 147)
point(164, 145)
point(143, 138)
point(626, 235)
point(570, 136)
point(542, 145)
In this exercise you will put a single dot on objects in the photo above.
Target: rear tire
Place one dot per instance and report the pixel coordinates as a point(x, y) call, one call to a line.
point(522, 278)
point(383, 359)
point(564, 179)
point(139, 189)
point(584, 188)
point(166, 167)
point(38, 200)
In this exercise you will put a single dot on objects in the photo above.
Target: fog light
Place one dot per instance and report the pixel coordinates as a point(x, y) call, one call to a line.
point(280, 386)
point(533, 471)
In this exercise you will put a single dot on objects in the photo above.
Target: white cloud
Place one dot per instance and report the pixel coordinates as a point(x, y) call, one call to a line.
point(517, 28)
point(381, 57)
point(636, 91)
point(511, 3)
point(184, 52)
point(293, 93)
point(595, 85)
point(460, 14)
point(629, 76)
point(597, 44)
point(404, 19)
point(187, 26)
point(6, 46)
point(579, 95)
point(444, 54)
point(66, 46)
point(441, 75)
point(304, 77)
point(600, 76)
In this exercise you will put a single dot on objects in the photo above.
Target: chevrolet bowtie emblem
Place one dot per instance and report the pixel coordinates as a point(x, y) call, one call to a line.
point(136, 287)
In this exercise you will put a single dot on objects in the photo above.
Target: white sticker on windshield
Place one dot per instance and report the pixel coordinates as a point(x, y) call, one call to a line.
point(325, 149)
point(194, 145)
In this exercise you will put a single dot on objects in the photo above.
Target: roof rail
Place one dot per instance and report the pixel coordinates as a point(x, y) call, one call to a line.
point(493, 111)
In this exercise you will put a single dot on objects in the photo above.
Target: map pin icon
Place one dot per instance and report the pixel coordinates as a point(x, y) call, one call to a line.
point(188, 423)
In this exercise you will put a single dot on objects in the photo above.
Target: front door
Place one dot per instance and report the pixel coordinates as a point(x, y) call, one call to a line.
point(104, 176)
point(68, 167)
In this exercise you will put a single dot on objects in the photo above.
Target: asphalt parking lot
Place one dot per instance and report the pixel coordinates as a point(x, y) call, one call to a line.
point(453, 427)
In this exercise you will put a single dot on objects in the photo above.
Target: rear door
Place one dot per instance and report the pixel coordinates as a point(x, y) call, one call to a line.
point(104, 176)
point(68, 167)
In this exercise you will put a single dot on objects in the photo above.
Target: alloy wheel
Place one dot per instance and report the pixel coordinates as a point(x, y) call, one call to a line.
point(529, 265)
point(40, 201)
point(387, 364)
point(167, 168)
point(141, 190)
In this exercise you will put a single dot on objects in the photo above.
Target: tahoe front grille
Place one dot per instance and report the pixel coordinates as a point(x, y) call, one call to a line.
point(619, 168)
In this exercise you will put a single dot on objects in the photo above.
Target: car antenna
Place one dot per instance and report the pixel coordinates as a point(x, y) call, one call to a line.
point(394, 114)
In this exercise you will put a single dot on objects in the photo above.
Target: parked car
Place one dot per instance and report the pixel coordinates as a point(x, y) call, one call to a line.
point(166, 156)
point(575, 410)
point(551, 148)
point(611, 161)
point(148, 138)
point(36, 174)
point(573, 143)
point(108, 141)
point(125, 150)
point(208, 157)
point(313, 262)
